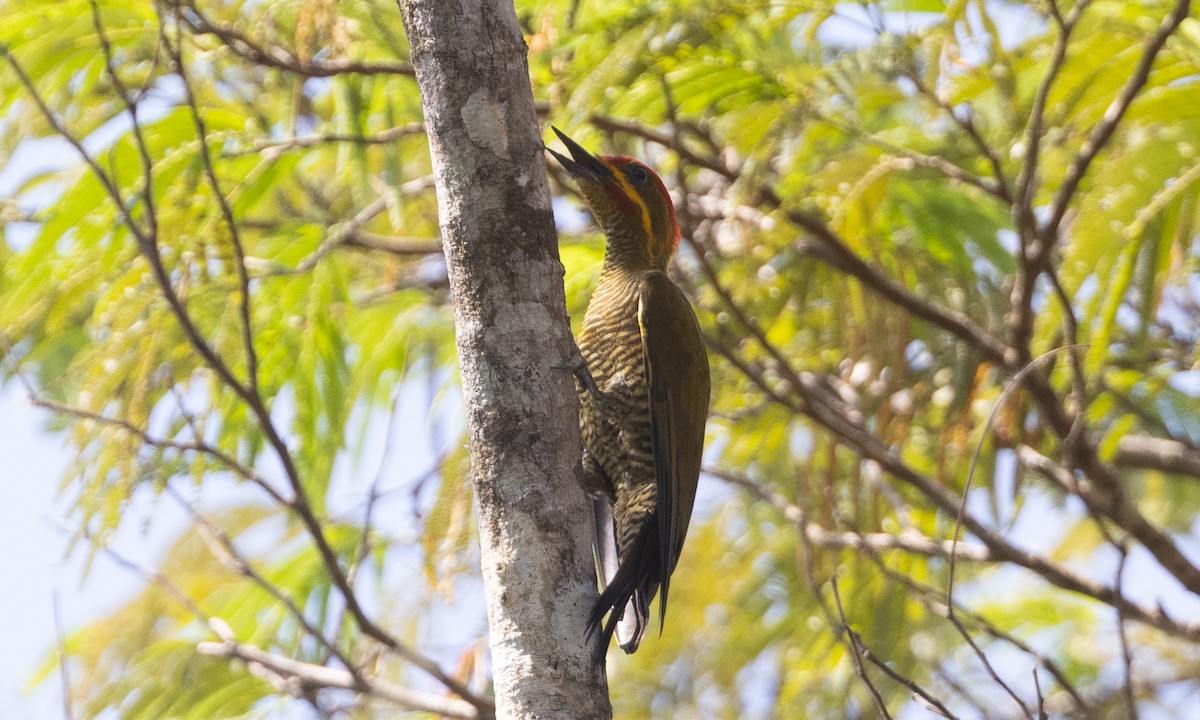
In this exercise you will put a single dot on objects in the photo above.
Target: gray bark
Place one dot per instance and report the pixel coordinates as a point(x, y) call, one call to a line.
point(510, 318)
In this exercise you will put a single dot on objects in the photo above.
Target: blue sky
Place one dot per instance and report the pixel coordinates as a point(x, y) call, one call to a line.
point(34, 561)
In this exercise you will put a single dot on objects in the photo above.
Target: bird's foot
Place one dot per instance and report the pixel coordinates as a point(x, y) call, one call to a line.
point(593, 479)
point(603, 402)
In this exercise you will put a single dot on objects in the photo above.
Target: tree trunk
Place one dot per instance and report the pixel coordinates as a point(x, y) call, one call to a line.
point(510, 317)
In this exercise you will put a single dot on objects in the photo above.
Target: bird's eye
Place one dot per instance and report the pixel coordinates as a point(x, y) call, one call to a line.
point(639, 174)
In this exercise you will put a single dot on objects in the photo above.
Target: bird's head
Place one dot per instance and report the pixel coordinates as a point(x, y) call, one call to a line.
point(628, 200)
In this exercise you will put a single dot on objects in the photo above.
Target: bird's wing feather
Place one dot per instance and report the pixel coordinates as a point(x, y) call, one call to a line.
point(677, 380)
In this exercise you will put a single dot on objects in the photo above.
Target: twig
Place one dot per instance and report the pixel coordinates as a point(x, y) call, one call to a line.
point(1131, 709)
point(932, 599)
point(197, 445)
point(824, 412)
point(338, 236)
point(991, 186)
point(1026, 179)
point(61, 645)
point(1041, 700)
point(373, 494)
point(131, 105)
point(235, 239)
point(923, 697)
point(222, 548)
point(1004, 393)
point(1078, 373)
point(983, 660)
point(929, 701)
point(857, 653)
point(963, 692)
point(402, 246)
point(967, 125)
point(383, 137)
point(156, 577)
point(1103, 130)
point(667, 140)
point(873, 553)
point(808, 564)
point(956, 323)
point(983, 433)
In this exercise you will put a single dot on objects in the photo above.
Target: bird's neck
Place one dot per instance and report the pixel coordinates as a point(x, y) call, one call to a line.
point(632, 253)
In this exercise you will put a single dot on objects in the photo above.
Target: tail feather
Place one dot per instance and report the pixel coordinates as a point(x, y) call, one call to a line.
point(606, 541)
point(628, 587)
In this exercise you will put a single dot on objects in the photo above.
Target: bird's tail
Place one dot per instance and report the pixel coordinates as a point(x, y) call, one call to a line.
point(625, 598)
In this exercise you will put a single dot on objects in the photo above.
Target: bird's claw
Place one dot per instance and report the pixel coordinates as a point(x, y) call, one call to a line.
point(577, 365)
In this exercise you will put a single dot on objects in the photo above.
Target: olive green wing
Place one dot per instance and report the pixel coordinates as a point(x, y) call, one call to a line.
point(677, 380)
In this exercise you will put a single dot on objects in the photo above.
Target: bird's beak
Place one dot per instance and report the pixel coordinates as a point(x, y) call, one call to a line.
point(581, 164)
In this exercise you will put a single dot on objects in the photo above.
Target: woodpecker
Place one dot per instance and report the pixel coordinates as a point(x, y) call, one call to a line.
point(644, 391)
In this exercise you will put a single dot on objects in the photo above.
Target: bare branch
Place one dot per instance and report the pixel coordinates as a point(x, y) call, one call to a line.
point(1105, 498)
point(667, 140)
point(956, 323)
point(403, 246)
point(305, 141)
point(1151, 453)
point(908, 541)
point(297, 675)
point(278, 57)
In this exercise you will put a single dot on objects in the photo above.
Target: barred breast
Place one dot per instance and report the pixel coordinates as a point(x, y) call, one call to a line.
point(611, 344)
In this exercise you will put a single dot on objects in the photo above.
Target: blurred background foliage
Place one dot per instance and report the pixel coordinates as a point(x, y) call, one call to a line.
point(900, 124)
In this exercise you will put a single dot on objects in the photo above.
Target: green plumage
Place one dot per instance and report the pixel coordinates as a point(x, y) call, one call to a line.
point(643, 435)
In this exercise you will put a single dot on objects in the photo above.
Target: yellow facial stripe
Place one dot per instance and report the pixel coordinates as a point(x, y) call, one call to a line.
point(633, 195)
